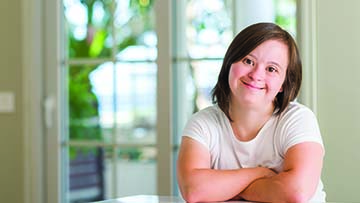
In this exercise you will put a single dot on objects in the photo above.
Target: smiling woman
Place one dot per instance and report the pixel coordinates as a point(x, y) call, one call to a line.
point(255, 143)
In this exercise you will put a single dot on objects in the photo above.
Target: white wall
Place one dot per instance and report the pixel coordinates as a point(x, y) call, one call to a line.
point(338, 100)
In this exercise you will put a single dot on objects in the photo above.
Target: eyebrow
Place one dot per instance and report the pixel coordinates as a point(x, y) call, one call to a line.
point(271, 62)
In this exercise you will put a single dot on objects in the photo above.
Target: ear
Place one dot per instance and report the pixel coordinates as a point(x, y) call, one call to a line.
point(281, 89)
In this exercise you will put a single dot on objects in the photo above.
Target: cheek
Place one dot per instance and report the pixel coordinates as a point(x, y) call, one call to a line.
point(236, 72)
point(232, 81)
point(234, 75)
point(276, 86)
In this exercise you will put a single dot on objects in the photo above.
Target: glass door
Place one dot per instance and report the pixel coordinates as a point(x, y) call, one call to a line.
point(111, 78)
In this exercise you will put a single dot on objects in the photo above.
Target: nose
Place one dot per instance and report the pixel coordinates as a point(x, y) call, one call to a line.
point(257, 73)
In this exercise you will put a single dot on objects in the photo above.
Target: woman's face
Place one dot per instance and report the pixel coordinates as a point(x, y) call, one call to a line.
point(257, 78)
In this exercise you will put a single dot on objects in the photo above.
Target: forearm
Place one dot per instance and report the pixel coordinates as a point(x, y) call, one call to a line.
point(297, 183)
point(217, 185)
point(280, 188)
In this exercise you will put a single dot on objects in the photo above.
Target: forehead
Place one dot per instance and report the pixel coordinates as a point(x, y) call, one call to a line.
point(272, 51)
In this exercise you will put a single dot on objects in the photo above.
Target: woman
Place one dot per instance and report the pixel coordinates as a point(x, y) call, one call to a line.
point(255, 143)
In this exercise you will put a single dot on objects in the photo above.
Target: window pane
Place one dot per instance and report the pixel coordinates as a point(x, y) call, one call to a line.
point(130, 105)
point(83, 105)
point(138, 171)
point(286, 15)
point(205, 74)
point(209, 28)
point(134, 23)
point(88, 28)
point(86, 174)
point(136, 102)
point(103, 81)
point(96, 174)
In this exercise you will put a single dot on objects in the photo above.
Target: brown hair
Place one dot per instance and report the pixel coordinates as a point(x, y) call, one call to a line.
point(245, 42)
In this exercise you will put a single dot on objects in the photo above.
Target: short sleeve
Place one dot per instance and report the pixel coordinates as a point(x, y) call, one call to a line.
point(198, 128)
point(297, 125)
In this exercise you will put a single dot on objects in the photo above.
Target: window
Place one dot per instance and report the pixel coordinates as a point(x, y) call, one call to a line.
point(111, 73)
point(111, 76)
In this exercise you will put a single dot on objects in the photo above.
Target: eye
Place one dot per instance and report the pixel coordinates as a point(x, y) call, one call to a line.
point(271, 69)
point(248, 61)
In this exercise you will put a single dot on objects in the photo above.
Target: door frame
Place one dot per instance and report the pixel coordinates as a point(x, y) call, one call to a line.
point(32, 69)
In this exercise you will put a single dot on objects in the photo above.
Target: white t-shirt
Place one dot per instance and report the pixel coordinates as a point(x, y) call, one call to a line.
point(296, 124)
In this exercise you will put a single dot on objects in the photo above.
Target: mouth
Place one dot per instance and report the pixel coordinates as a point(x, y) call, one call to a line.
point(252, 86)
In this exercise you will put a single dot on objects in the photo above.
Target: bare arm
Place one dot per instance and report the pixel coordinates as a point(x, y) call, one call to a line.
point(297, 183)
point(198, 182)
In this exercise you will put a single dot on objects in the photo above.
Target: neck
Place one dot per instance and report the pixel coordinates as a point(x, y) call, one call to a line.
point(248, 121)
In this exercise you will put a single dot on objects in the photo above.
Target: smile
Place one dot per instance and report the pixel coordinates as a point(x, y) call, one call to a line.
point(252, 86)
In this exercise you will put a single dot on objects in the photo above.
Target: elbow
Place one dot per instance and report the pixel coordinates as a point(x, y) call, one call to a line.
point(297, 197)
point(191, 191)
point(294, 193)
point(190, 198)
point(190, 195)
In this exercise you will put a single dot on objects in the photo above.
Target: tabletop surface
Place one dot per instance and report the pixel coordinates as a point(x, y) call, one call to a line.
point(151, 199)
point(155, 199)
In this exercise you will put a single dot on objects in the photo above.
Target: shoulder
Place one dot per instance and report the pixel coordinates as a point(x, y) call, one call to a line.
point(297, 117)
point(206, 120)
point(211, 114)
point(297, 107)
point(295, 125)
point(205, 125)
point(296, 111)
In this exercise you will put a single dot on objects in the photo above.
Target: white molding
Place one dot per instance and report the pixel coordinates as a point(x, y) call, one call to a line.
point(32, 94)
point(307, 40)
point(164, 105)
point(52, 72)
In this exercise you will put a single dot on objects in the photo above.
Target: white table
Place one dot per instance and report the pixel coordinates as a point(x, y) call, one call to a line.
point(156, 199)
point(151, 199)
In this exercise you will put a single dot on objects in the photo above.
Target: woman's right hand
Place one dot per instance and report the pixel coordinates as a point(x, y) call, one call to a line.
point(267, 172)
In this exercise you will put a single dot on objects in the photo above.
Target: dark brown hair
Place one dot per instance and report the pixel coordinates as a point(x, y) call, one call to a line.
point(245, 42)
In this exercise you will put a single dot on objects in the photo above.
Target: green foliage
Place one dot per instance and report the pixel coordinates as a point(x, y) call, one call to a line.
point(130, 154)
point(284, 18)
point(98, 43)
point(83, 105)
